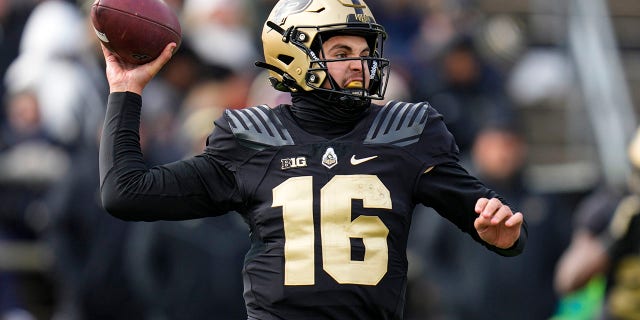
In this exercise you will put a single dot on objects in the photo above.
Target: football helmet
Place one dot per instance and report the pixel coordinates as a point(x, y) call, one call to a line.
point(292, 40)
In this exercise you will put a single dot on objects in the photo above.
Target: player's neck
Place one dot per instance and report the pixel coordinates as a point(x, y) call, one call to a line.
point(319, 115)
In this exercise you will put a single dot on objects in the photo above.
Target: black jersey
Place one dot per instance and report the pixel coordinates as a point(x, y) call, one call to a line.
point(329, 218)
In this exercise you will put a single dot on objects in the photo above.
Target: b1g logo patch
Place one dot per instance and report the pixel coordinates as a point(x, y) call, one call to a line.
point(284, 8)
point(292, 163)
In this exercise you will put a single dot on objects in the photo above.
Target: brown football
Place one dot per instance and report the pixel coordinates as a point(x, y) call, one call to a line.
point(135, 30)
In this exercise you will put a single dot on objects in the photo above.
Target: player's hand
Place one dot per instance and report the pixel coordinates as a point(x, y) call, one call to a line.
point(124, 76)
point(496, 223)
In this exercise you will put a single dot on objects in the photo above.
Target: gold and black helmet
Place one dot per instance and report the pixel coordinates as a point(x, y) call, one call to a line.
point(292, 39)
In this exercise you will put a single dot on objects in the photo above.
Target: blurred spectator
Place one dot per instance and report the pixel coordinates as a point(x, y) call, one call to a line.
point(23, 119)
point(13, 15)
point(468, 281)
point(402, 19)
point(466, 89)
point(541, 76)
point(256, 15)
point(58, 62)
point(437, 29)
point(56, 95)
point(24, 179)
point(585, 259)
point(90, 276)
point(606, 242)
point(24, 143)
point(218, 31)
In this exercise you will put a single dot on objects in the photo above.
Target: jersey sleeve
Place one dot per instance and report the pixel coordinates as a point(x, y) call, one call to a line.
point(192, 188)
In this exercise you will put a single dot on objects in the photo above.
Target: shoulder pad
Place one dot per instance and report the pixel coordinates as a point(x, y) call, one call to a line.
point(398, 123)
point(258, 127)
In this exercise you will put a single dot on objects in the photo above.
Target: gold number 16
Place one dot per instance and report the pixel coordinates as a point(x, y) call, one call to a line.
point(295, 196)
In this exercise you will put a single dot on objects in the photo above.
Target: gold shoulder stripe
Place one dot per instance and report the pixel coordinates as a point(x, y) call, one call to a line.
point(429, 169)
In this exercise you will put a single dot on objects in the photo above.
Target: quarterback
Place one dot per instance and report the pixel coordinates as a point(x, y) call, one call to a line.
point(327, 184)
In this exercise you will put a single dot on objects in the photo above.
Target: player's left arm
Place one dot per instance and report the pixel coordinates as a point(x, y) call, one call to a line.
point(475, 209)
point(456, 195)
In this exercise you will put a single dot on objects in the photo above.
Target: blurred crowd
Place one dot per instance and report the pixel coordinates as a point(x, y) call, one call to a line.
point(63, 257)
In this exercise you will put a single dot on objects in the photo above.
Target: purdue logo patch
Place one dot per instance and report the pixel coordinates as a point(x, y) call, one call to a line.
point(329, 159)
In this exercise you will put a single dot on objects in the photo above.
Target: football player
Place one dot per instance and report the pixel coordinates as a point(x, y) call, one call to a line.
point(327, 184)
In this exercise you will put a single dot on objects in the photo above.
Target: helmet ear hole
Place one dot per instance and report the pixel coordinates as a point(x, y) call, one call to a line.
point(313, 78)
point(285, 59)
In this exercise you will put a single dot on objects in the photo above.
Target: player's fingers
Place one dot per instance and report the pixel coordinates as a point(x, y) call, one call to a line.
point(481, 204)
point(163, 58)
point(481, 223)
point(515, 220)
point(484, 227)
point(501, 214)
point(491, 208)
point(106, 52)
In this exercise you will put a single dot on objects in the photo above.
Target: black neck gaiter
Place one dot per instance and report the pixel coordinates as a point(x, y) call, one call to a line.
point(323, 115)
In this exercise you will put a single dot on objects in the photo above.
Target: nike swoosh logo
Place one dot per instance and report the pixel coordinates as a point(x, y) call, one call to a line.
point(356, 162)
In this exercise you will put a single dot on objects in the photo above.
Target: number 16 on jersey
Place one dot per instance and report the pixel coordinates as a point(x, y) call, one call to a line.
point(295, 196)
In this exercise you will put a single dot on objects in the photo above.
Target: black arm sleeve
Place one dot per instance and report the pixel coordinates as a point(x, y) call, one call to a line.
point(452, 192)
point(187, 189)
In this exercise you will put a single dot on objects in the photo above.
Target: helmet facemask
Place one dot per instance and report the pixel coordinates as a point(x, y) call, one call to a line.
point(374, 68)
point(293, 49)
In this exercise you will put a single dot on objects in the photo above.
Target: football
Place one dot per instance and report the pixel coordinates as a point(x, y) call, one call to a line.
point(135, 30)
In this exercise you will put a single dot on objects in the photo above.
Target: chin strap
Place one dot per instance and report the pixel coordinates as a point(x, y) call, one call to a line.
point(353, 103)
point(344, 103)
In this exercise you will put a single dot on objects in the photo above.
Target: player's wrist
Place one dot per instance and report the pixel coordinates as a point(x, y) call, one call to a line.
point(114, 89)
point(125, 88)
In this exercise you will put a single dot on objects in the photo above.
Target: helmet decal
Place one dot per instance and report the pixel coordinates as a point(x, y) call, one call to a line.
point(284, 8)
point(355, 4)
